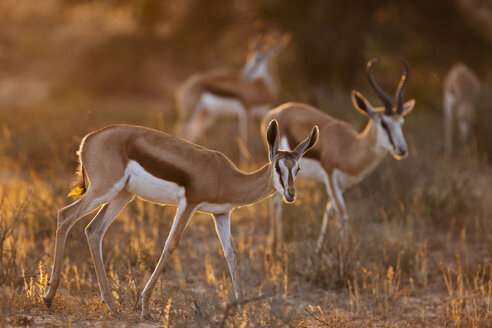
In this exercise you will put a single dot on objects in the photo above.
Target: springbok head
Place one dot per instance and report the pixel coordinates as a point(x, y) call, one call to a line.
point(389, 118)
point(258, 61)
point(285, 164)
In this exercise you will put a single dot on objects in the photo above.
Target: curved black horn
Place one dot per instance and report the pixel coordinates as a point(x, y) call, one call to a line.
point(401, 87)
point(388, 104)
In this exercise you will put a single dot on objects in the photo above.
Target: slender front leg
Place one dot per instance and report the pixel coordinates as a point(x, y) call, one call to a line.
point(324, 225)
point(223, 228)
point(181, 219)
point(275, 239)
point(336, 197)
point(95, 232)
point(67, 216)
point(339, 204)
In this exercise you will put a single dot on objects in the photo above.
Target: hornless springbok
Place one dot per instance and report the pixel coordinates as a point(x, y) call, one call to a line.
point(205, 96)
point(460, 91)
point(342, 157)
point(124, 161)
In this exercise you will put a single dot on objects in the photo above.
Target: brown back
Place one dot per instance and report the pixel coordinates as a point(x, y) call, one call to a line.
point(339, 145)
point(223, 83)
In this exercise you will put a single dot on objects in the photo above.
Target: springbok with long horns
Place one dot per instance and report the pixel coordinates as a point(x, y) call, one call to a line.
point(461, 88)
point(342, 156)
point(124, 161)
point(205, 96)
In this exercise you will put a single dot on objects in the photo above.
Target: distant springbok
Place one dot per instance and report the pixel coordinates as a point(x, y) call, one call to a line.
point(220, 92)
point(460, 92)
point(342, 157)
point(124, 161)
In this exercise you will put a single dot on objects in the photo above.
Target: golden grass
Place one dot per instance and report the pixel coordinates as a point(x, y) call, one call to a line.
point(413, 254)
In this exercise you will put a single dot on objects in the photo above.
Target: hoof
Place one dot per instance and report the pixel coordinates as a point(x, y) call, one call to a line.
point(47, 302)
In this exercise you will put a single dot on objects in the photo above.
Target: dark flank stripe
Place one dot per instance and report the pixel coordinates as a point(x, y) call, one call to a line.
point(221, 92)
point(157, 167)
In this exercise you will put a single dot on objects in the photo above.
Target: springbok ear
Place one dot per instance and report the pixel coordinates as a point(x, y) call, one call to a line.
point(362, 104)
point(408, 107)
point(308, 143)
point(272, 139)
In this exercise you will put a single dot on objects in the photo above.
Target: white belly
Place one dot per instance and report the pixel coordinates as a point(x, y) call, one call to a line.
point(346, 181)
point(152, 189)
point(220, 105)
point(312, 169)
point(215, 208)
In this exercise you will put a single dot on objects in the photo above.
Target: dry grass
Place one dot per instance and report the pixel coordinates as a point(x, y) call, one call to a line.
point(416, 252)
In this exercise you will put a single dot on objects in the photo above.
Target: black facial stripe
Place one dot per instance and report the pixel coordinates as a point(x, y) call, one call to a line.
point(385, 127)
point(279, 172)
point(281, 181)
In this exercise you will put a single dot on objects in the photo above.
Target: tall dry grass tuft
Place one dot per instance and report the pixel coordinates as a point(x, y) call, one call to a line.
point(469, 295)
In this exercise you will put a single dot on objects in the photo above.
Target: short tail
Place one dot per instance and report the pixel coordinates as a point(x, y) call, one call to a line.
point(78, 187)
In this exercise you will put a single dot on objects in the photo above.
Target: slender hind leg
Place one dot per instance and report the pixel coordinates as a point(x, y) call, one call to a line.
point(336, 204)
point(95, 231)
point(223, 228)
point(324, 225)
point(67, 216)
point(181, 219)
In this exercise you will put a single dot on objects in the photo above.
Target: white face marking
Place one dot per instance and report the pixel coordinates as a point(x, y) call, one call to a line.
point(390, 135)
point(276, 180)
point(148, 187)
point(281, 179)
point(284, 171)
point(256, 67)
point(294, 171)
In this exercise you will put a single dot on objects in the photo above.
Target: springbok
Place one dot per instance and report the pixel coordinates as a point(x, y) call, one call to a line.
point(460, 91)
point(342, 157)
point(124, 161)
point(220, 92)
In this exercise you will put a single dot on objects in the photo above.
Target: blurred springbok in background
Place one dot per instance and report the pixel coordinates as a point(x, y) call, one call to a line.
point(124, 161)
point(205, 96)
point(342, 157)
point(460, 92)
